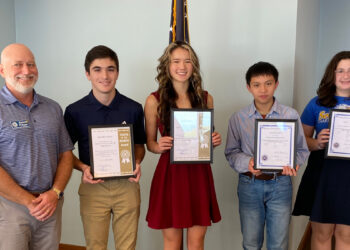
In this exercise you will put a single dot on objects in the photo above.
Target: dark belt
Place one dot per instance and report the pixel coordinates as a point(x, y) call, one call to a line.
point(263, 177)
point(35, 194)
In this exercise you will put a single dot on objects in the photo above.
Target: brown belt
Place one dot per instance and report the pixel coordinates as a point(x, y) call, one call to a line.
point(35, 194)
point(264, 177)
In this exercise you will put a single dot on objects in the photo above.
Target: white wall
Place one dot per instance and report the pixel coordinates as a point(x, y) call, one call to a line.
point(305, 78)
point(7, 26)
point(306, 54)
point(228, 36)
point(334, 32)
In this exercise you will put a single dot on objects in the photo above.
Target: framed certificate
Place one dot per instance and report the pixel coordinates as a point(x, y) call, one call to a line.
point(191, 130)
point(274, 144)
point(111, 151)
point(339, 137)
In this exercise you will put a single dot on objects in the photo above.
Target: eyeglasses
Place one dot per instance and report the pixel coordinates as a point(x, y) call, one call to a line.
point(342, 71)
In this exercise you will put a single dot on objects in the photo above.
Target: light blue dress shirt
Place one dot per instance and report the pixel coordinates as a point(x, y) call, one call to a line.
point(240, 135)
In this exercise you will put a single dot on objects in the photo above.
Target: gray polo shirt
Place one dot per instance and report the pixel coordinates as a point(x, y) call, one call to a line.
point(31, 139)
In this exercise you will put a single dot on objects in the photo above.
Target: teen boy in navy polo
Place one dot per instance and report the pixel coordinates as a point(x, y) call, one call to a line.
point(35, 157)
point(101, 200)
point(263, 198)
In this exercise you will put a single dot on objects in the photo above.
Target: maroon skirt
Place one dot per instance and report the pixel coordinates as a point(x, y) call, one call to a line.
point(182, 196)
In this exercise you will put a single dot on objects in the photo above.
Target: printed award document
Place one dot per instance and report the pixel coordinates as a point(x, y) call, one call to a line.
point(339, 137)
point(191, 130)
point(274, 144)
point(111, 151)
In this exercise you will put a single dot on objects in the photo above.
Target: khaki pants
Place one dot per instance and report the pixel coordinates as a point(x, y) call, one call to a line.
point(20, 230)
point(119, 199)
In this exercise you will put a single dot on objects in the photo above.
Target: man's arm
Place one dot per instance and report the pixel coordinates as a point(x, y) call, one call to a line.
point(78, 164)
point(64, 170)
point(46, 203)
point(139, 155)
point(237, 159)
point(302, 148)
point(86, 171)
point(10, 190)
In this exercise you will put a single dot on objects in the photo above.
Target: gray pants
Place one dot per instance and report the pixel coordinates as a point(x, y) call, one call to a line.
point(20, 230)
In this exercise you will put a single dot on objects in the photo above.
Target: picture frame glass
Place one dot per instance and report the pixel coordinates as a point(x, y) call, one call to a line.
point(274, 144)
point(111, 151)
point(191, 130)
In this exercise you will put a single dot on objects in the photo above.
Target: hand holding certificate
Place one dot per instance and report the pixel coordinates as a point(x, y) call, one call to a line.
point(191, 130)
point(111, 151)
point(274, 144)
point(339, 139)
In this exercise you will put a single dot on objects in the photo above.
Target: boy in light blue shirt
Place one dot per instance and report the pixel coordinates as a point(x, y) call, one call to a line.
point(264, 198)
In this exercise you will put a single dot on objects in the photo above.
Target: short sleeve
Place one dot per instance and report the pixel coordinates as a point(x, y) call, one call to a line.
point(65, 143)
point(308, 115)
point(138, 127)
point(70, 125)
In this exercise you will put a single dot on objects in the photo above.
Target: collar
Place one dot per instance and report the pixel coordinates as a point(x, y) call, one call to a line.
point(113, 105)
point(276, 108)
point(8, 98)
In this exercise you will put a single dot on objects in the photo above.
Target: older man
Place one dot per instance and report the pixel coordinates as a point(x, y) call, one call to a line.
point(35, 157)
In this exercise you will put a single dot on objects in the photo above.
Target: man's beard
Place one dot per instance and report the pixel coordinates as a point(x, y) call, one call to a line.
point(23, 89)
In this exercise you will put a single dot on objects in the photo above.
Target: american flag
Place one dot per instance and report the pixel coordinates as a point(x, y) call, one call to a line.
point(179, 22)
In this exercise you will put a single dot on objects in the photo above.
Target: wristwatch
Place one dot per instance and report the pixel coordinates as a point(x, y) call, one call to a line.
point(58, 192)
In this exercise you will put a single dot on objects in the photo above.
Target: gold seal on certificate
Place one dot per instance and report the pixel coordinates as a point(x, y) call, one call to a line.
point(339, 136)
point(274, 144)
point(191, 130)
point(111, 151)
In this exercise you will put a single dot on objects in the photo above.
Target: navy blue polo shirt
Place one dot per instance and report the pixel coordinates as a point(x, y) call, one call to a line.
point(89, 111)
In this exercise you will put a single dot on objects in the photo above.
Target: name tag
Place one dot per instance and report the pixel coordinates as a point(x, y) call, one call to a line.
point(20, 124)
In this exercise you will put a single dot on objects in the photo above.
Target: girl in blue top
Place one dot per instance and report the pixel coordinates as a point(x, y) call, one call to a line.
point(323, 190)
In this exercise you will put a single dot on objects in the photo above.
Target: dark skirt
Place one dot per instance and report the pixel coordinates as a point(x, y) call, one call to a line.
point(309, 183)
point(332, 203)
point(324, 190)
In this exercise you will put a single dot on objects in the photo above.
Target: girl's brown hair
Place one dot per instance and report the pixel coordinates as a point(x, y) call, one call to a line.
point(326, 90)
point(166, 91)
